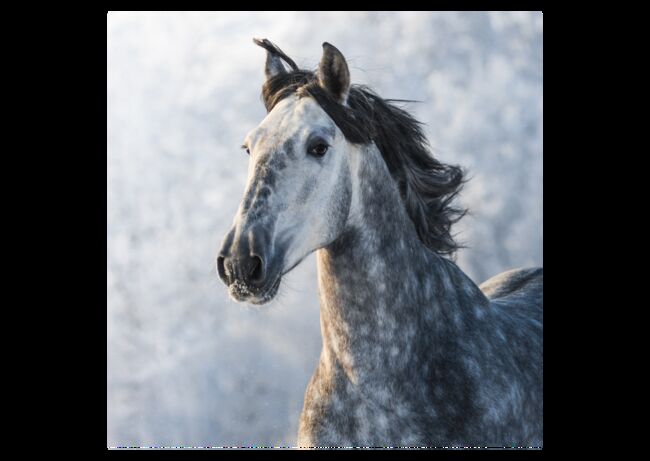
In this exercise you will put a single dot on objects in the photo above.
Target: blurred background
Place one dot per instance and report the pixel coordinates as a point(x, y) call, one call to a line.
point(189, 367)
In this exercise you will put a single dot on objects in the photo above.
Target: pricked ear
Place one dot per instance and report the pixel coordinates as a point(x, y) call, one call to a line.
point(273, 65)
point(274, 58)
point(333, 73)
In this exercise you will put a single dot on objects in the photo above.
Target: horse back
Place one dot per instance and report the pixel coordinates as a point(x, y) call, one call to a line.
point(516, 283)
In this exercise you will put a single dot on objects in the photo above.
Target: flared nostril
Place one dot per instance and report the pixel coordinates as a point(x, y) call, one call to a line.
point(248, 270)
point(221, 268)
point(257, 271)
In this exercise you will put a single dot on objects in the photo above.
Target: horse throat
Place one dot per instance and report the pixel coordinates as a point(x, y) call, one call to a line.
point(383, 293)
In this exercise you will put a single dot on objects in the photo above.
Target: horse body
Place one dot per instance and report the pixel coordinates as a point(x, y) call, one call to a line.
point(414, 353)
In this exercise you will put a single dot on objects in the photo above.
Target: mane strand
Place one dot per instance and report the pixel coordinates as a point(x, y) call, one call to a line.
point(273, 48)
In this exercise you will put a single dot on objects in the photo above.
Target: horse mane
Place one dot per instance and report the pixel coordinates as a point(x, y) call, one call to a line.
point(427, 186)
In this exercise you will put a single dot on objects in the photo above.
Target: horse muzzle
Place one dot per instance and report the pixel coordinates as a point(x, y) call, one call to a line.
point(245, 266)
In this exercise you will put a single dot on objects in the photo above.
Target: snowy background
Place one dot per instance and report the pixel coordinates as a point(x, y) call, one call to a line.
point(189, 367)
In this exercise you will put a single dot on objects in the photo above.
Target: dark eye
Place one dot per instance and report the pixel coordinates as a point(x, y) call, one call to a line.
point(318, 150)
point(246, 148)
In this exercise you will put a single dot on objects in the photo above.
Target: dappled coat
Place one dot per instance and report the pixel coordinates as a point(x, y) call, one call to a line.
point(414, 353)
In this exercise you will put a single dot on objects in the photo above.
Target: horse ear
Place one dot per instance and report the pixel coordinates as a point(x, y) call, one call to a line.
point(274, 58)
point(333, 73)
point(273, 65)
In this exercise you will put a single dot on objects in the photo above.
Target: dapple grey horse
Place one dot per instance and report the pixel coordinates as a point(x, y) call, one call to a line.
point(414, 353)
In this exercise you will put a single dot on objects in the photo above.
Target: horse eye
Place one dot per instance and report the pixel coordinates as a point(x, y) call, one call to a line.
point(319, 150)
point(247, 149)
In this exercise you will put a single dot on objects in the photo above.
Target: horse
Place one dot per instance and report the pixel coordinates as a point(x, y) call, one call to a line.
point(414, 353)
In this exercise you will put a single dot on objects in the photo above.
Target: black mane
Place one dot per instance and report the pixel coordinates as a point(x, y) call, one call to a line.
point(427, 186)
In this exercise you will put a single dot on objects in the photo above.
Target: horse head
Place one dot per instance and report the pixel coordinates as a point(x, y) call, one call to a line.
point(298, 191)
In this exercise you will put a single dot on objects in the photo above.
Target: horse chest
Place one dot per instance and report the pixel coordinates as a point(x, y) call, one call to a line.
point(339, 413)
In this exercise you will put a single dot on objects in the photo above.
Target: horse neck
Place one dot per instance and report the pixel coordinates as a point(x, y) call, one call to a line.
point(383, 293)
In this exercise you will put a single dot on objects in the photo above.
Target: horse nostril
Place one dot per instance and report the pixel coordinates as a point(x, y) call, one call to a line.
point(221, 268)
point(257, 269)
